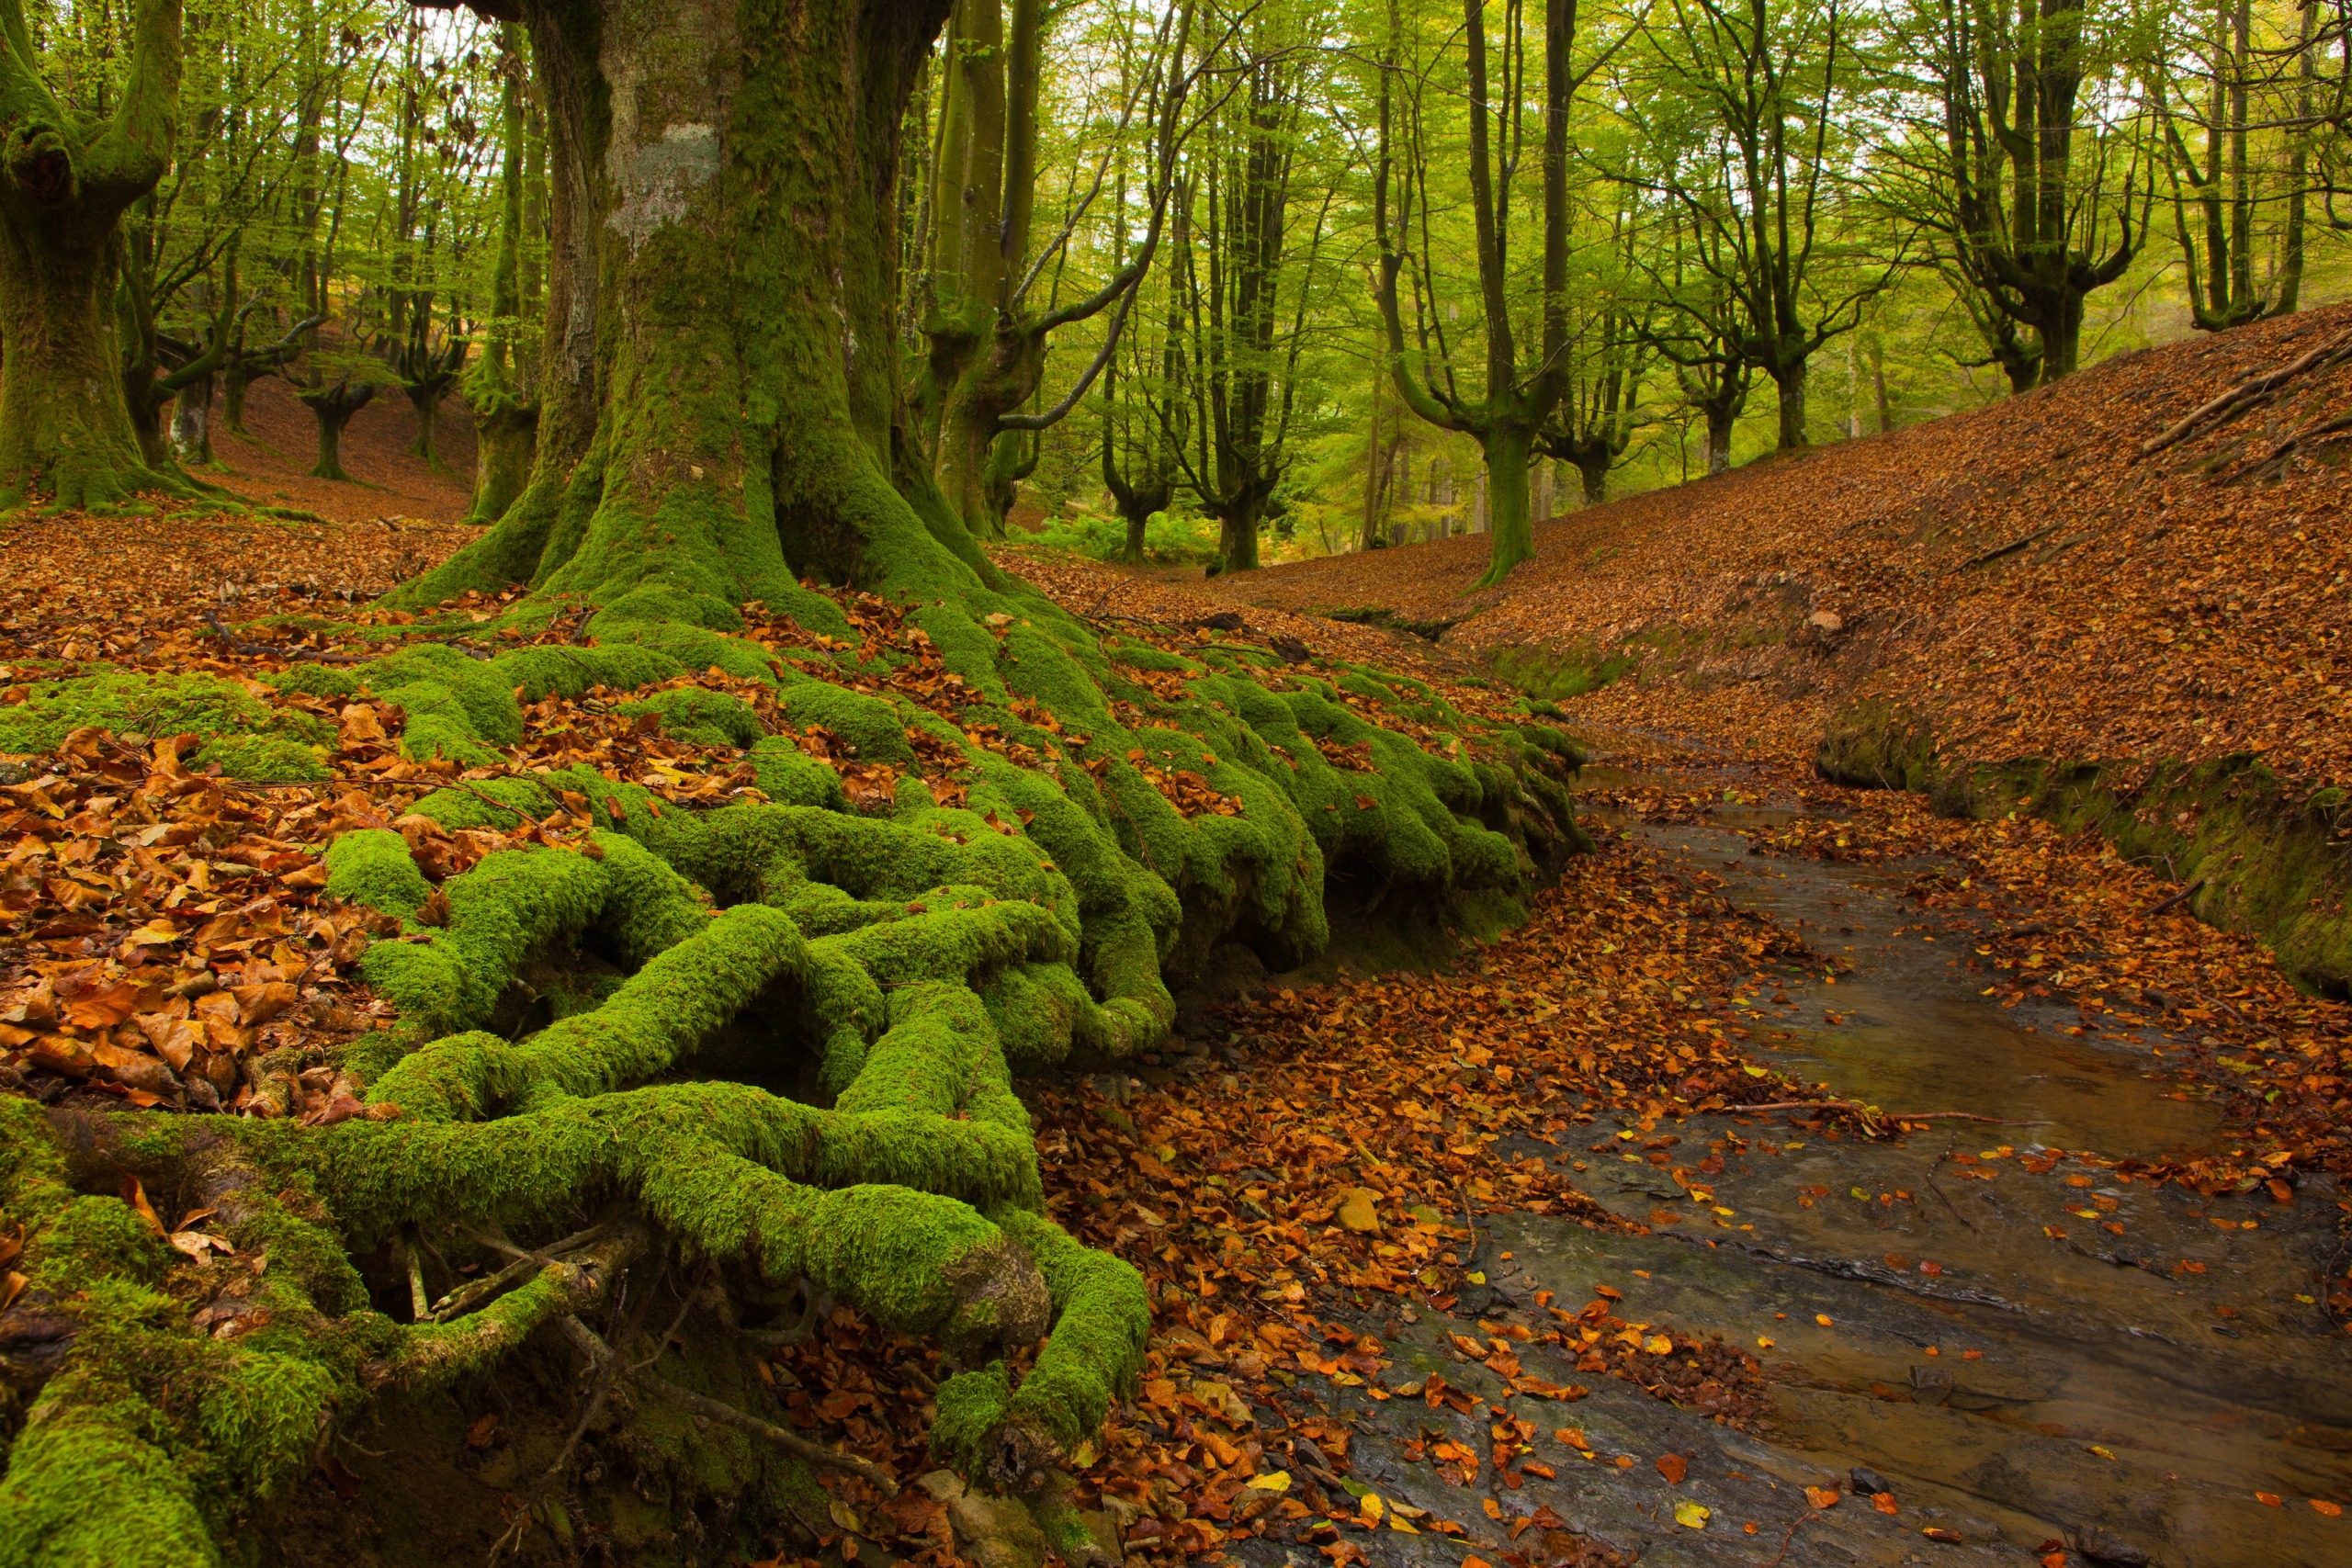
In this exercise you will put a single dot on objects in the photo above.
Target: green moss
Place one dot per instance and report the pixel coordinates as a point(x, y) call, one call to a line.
point(90, 1486)
point(971, 1406)
point(223, 712)
point(701, 717)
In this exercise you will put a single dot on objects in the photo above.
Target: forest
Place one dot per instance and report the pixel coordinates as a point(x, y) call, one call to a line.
point(983, 781)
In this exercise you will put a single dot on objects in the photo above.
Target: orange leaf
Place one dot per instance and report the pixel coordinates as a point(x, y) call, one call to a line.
point(1674, 1467)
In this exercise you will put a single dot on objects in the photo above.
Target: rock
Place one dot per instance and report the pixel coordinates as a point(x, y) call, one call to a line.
point(1867, 1482)
point(943, 1485)
point(1105, 1532)
point(1829, 623)
point(997, 1532)
point(1360, 1210)
point(2105, 1546)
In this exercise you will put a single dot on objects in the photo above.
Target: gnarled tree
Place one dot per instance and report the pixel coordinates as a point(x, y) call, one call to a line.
point(67, 176)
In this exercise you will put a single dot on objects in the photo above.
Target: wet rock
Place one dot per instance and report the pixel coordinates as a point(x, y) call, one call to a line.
point(2111, 1550)
point(1868, 1481)
point(997, 1532)
point(1931, 1386)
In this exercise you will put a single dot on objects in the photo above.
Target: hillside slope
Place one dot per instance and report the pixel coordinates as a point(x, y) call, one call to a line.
point(2022, 575)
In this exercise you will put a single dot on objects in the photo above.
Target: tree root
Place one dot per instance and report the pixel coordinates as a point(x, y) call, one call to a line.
point(586, 1340)
point(2238, 399)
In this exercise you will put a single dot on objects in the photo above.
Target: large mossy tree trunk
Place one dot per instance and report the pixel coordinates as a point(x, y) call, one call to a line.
point(66, 179)
point(719, 397)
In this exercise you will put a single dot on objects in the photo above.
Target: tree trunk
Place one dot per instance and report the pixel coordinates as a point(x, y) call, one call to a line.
point(429, 427)
point(333, 414)
point(65, 426)
point(2061, 336)
point(1237, 548)
point(192, 421)
point(1720, 419)
point(722, 227)
point(1509, 446)
point(1594, 470)
point(505, 439)
point(1790, 381)
point(234, 382)
point(65, 182)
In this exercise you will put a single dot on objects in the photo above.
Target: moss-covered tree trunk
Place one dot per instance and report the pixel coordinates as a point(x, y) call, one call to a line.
point(66, 179)
point(719, 392)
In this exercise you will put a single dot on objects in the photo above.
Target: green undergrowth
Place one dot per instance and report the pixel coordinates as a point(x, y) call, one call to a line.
point(247, 736)
point(2263, 856)
point(778, 1034)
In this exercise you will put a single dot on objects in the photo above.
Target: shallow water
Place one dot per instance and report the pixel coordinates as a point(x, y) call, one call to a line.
point(2019, 1356)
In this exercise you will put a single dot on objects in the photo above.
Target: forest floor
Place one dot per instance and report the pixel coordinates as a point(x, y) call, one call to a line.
point(2037, 1257)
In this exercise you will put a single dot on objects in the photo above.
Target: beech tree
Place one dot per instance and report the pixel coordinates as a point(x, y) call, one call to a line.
point(69, 171)
point(1512, 399)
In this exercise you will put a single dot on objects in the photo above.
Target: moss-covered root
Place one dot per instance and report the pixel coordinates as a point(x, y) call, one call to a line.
point(1011, 1437)
point(660, 1014)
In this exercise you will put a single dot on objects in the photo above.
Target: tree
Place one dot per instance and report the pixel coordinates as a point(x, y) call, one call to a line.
point(2214, 168)
point(1738, 103)
point(1600, 406)
point(986, 333)
point(2028, 202)
point(68, 174)
point(506, 417)
point(1243, 284)
point(1511, 404)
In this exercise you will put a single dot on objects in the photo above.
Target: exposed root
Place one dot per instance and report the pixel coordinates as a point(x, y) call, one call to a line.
point(2244, 395)
point(586, 1340)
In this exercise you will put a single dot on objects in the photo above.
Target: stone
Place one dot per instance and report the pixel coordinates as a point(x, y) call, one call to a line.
point(997, 1532)
point(943, 1485)
point(1359, 1211)
point(1829, 623)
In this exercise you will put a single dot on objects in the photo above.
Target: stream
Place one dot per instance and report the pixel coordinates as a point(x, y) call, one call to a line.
point(2023, 1351)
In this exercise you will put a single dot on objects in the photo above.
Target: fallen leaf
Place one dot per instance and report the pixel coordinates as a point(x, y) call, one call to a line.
point(1691, 1514)
point(1674, 1467)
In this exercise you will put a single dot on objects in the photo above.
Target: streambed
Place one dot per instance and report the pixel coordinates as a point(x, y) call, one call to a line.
point(2020, 1348)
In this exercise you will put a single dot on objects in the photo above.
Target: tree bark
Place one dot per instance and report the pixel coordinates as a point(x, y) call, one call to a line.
point(722, 396)
point(1789, 381)
point(66, 432)
point(1509, 446)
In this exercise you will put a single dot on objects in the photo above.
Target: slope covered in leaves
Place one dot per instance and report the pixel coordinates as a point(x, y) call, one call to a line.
point(2029, 575)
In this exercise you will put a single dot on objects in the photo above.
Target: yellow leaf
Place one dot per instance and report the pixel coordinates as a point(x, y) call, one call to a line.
point(1372, 1506)
point(1271, 1481)
point(1658, 1345)
point(1691, 1516)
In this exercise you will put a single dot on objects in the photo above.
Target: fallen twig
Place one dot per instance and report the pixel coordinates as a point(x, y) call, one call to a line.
point(1877, 1115)
point(2183, 897)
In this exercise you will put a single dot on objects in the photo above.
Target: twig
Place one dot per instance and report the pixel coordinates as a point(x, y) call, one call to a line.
point(294, 654)
point(1800, 1519)
point(1880, 1115)
point(728, 1415)
point(2309, 433)
point(458, 1302)
point(420, 1309)
point(2183, 897)
point(2012, 547)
